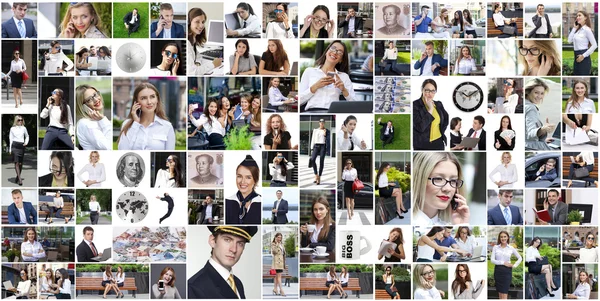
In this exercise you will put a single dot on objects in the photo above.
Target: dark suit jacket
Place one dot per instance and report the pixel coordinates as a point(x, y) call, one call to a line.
point(537, 21)
point(84, 252)
point(503, 144)
point(46, 180)
point(422, 124)
point(9, 29)
point(436, 58)
point(128, 17)
point(208, 284)
point(177, 31)
point(560, 214)
point(481, 143)
point(358, 25)
point(202, 210)
point(15, 218)
point(281, 217)
point(329, 242)
point(382, 130)
point(496, 216)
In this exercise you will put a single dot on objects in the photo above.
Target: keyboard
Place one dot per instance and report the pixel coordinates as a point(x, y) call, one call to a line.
point(211, 54)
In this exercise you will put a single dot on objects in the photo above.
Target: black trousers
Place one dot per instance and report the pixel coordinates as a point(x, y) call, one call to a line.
point(387, 139)
point(166, 215)
point(53, 134)
point(584, 67)
point(318, 150)
point(133, 28)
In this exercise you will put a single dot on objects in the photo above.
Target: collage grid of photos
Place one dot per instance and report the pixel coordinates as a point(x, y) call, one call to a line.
point(122, 120)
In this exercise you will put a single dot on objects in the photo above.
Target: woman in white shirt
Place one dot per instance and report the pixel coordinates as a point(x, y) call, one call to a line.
point(344, 278)
point(250, 24)
point(109, 282)
point(52, 63)
point(63, 284)
point(22, 289)
point(333, 283)
point(390, 283)
point(279, 169)
point(211, 121)
point(47, 282)
point(387, 189)
point(56, 210)
point(61, 121)
point(172, 176)
point(18, 140)
point(31, 249)
point(94, 207)
point(195, 43)
point(470, 32)
point(169, 65)
point(17, 67)
point(349, 174)
point(347, 139)
point(533, 261)
point(500, 21)
point(437, 203)
point(578, 102)
point(440, 24)
point(390, 56)
point(465, 240)
point(507, 102)
point(426, 246)
point(506, 171)
point(81, 61)
point(323, 84)
point(584, 44)
point(280, 28)
point(424, 281)
point(96, 172)
point(276, 98)
point(503, 268)
point(94, 130)
point(147, 127)
point(120, 278)
point(583, 289)
point(589, 253)
point(465, 62)
point(319, 146)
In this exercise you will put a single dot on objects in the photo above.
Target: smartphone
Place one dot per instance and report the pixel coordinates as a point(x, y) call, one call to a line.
point(331, 74)
point(195, 106)
point(87, 109)
point(454, 203)
point(540, 58)
point(161, 285)
point(138, 112)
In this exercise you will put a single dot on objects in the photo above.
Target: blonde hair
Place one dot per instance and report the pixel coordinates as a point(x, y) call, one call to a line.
point(532, 84)
point(80, 99)
point(502, 157)
point(547, 48)
point(424, 163)
point(93, 14)
point(92, 153)
point(17, 118)
point(419, 280)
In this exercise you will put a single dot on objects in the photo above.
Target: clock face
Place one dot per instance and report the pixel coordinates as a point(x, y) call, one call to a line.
point(131, 57)
point(467, 96)
point(132, 206)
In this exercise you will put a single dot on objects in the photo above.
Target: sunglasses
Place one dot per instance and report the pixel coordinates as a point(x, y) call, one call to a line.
point(278, 11)
point(54, 92)
point(590, 238)
point(171, 54)
point(17, 53)
point(169, 160)
point(507, 83)
point(19, 119)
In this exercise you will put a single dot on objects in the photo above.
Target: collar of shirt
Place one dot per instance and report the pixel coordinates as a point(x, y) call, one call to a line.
point(422, 219)
point(223, 272)
point(502, 208)
point(89, 243)
point(17, 22)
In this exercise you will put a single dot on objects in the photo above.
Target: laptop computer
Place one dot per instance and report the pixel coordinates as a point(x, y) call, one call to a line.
point(231, 21)
point(556, 136)
point(213, 48)
point(351, 107)
point(8, 285)
point(455, 29)
point(105, 255)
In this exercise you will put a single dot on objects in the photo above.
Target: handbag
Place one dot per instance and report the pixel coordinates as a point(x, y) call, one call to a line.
point(272, 272)
point(24, 76)
point(593, 135)
point(310, 163)
point(357, 185)
point(394, 289)
point(509, 30)
point(382, 64)
point(582, 172)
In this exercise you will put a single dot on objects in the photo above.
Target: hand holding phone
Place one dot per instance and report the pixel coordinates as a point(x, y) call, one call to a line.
point(453, 203)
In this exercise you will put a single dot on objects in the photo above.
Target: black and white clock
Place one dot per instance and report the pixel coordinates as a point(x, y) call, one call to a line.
point(132, 206)
point(131, 57)
point(467, 96)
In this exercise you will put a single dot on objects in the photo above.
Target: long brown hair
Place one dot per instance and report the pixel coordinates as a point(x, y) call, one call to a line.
point(343, 66)
point(459, 284)
point(573, 97)
point(327, 220)
point(199, 39)
point(332, 271)
point(282, 127)
point(159, 111)
point(107, 270)
point(460, 55)
point(344, 272)
point(274, 61)
point(120, 274)
point(400, 239)
point(507, 240)
point(276, 235)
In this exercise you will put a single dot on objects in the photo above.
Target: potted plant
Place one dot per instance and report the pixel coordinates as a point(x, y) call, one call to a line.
point(574, 217)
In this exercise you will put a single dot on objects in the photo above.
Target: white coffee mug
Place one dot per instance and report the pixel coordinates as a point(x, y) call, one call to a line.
point(351, 245)
point(320, 250)
point(311, 228)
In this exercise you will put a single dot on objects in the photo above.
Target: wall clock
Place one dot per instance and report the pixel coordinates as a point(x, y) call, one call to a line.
point(467, 96)
point(132, 206)
point(131, 57)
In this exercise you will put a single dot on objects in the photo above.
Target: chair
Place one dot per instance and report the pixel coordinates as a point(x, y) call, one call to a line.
point(213, 147)
point(52, 255)
point(267, 107)
point(257, 60)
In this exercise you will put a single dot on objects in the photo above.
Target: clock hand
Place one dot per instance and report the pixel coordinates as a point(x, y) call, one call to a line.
point(463, 94)
point(472, 93)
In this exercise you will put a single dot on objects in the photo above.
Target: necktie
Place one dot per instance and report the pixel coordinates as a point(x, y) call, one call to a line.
point(21, 29)
point(244, 25)
point(94, 249)
point(552, 213)
point(232, 283)
point(351, 143)
point(507, 217)
point(242, 211)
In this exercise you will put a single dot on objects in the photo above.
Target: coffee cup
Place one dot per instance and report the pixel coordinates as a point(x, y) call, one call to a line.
point(311, 228)
point(359, 31)
point(320, 250)
point(351, 245)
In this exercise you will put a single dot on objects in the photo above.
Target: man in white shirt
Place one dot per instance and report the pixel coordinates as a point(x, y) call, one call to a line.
point(430, 63)
point(541, 21)
point(209, 211)
point(165, 27)
point(20, 212)
point(505, 213)
point(132, 21)
point(87, 250)
point(280, 209)
point(478, 132)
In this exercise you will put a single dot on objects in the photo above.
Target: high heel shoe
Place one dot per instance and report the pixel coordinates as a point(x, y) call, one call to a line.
point(315, 181)
point(318, 180)
point(550, 293)
point(554, 288)
point(399, 216)
point(404, 211)
point(281, 293)
point(275, 292)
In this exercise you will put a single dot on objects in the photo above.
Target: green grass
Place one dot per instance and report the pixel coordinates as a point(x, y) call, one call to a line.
point(86, 218)
point(268, 184)
point(567, 61)
point(402, 127)
point(120, 10)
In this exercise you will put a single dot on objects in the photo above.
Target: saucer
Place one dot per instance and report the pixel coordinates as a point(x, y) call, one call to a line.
point(322, 255)
point(306, 249)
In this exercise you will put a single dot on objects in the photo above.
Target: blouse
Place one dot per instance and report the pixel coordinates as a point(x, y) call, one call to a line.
point(156, 71)
point(194, 63)
point(244, 63)
point(344, 144)
point(276, 30)
point(18, 133)
point(587, 107)
point(383, 181)
point(159, 135)
point(531, 254)
point(275, 97)
point(432, 293)
point(344, 279)
point(171, 292)
point(581, 39)
point(349, 175)
point(23, 288)
point(323, 97)
point(582, 291)
point(164, 180)
point(97, 173)
point(55, 61)
point(54, 112)
point(252, 26)
point(45, 284)
point(275, 171)
point(498, 19)
point(16, 66)
point(95, 134)
point(464, 66)
point(507, 106)
point(588, 255)
point(318, 137)
point(470, 293)
point(507, 173)
point(420, 218)
point(58, 202)
point(468, 245)
point(390, 54)
point(331, 278)
point(94, 206)
point(120, 279)
point(66, 287)
point(501, 255)
point(105, 277)
point(210, 128)
point(34, 249)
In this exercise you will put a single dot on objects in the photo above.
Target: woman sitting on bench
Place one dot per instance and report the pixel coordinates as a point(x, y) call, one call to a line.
point(57, 209)
point(109, 282)
point(387, 190)
point(333, 283)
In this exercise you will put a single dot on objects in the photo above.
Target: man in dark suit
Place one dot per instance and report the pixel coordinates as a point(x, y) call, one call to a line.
point(386, 133)
point(478, 132)
point(280, 209)
point(165, 27)
point(351, 24)
point(18, 26)
point(208, 211)
point(132, 21)
point(505, 213)
point(86, 250)
point(215, 280)
point(430, 63)
point(29, 216)
point(558, 210)
point(547, 172)
point(541, 21)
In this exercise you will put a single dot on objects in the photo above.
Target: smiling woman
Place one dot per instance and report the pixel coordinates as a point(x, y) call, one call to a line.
point(94, 130)
point(81, 21)
point(244, 207)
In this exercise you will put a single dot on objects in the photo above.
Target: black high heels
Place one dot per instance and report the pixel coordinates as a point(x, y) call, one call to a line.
point(550, 293)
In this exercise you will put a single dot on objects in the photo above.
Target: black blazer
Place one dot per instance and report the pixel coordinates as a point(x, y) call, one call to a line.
point(208, 284)
point(455, 140)
point(422, 124)
point(201, 209)
point(329, 243)
point(537, 22)
point(358, 25)
point(503, 144)
point(481, 143)
point(128, 17)
point(84, 252)
point(46, 180)
point(281, 217)
point(382, 130)
point(323, 34)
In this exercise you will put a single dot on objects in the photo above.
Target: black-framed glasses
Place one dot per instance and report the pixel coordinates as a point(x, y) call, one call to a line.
point(534, 51)
point(441, 182)
point(507, 83)
point(17, 53)
point(92, 97)
point(432, 272)
point(464, 232)
point(429, 91)
point(320, 20)
point(462, 271)
point(337, 51)
point(171, 54)
point(57, 171)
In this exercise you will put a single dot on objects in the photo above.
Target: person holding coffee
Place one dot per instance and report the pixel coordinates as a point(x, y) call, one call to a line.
point(321, 231)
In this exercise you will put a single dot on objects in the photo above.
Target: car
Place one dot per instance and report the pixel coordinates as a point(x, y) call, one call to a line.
point(363, 199)
point(532, 165)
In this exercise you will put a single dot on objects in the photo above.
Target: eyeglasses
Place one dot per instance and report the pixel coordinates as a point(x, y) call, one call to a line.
point(19, 120)
point(534, 51)
point(92, 97)
point(17, 53)
point(441, 182)
point(464, 232)
point(320, 20)
point(169, 160)
point(507, 83)
point(462, 271)
point(432, 272)
point(429, 91)
point(170, 54)
point(590, 238)
point(337, 51)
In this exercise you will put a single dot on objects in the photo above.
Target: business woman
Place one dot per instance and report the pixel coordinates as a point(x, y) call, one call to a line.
point(172, 176)
point(427, 246)
point(465, 62)
point(81, 21)
point(538, 133)
point(455, 134)
point(539, 57)
point(390, 56)
point(211, 121)
point(94, 130)
point(578, 102)
point(31, 249)
point(500, 21)
point(281, 27)
point(21, 291)
point(319, 145)
point(344, 279)
point(62, 290)
point(279, 170)
point(470, 26)
point(275, 60)
point(60, 127)
point(582, 160)
point(318, 25)
point(278, 263)
point(390, 283)
point(323, 84)
point(506, 171)
point(347, 138)
point(424, 281)
point(583, 289)
point(95, 170)
point(94, 207)
point(388, 190)
point(120, 278)
point(333, 282)
point(169, 65)
point(147, 127)
point(430, 119)
point(276, 98)
point(18, 140)
point(56, 210)
point(251, 23)
point(61, 171)
point(533, 261)
point(324, 225)
point(462, 286)
point(81, 61)
point(465, 240)
point(394, 254)
point(589, 252)
point(241, 61)
point(244, 207)
point(503, 268)
point(169, 291)
point(584, 44)
point(349, 175)
point(17, 67)
point(505, 143)
point(53, 62)
point(195, 44)
point(109, 282)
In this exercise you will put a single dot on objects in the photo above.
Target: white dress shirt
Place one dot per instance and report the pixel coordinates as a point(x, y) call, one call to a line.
point(390, 54)
point(465, 66)
point(588, 157)
point(275, 97)
point(56, 61)
point(383, 181)
point(507, 173)
point(163, 179)
point(23, 289)
point(54, 113)
point(502, 208)
point(581, 39)
point(587, 107)
point(531, 254)
point(18, 133)
point(159, 135)
point(501, 255)
point(499, 19)
point(420, 218)
point(16, 66)
point(216, 126)
point(476, 134)
point(344, 144)
point(468, 245)
point(427, 67)
point(121, 278)
point(208, 211)
point(324, 96)
point(588, 255)
point(94, 206)
point(95, 134)
point(252, 26)
point(275, 171)
point(344, 279)
point(507, 107)
point(582, 291)
point(66, 287)
point(97, 173)
point(223, 272)
point(34, 249)
point(428, 294)
point(318, 137)
point(204, 66)
point(349, 175)
point(276, 30)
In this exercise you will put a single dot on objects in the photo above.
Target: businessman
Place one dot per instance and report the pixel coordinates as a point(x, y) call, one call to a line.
point(543, 28)
point(547, 172)
point(216, 280)
point(558, 210)
point(86, 250)
point(165, 28)
point(478, 132)
point(170, 204)
point(19, 27)
point(20, 212)
point(132, 21)
point(386, 133)
point(208, 211)
point(430, 63)
point(351, 24)
point(280, 209)
point(505, 213)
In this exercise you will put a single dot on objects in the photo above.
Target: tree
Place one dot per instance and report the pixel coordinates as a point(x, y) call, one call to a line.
point(476, 231)
point(518, 237)
point(290, 245)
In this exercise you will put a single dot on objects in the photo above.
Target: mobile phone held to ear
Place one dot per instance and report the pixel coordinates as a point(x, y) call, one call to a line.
point(454, 203)
point(87, 109)
point(540, 58)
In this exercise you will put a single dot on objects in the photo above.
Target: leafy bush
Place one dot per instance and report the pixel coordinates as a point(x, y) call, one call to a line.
point(290, 245)
point(94, 268)
point(239, 139)
point(553, 254)
point(324, 268)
